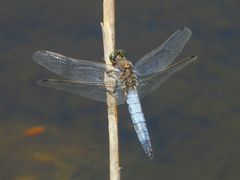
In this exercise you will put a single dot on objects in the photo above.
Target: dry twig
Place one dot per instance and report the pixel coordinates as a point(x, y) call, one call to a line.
point(108, 31)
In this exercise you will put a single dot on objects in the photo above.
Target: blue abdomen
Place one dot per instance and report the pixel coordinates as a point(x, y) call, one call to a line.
point(138, 120)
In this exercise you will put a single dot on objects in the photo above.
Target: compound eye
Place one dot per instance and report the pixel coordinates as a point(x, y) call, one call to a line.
point(112, 56)
point(123, 53)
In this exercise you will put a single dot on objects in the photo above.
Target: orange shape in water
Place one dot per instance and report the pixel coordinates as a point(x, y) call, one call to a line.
point(34, 131)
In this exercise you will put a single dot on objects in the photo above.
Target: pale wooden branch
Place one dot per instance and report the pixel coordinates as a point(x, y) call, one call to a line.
point(108, 31)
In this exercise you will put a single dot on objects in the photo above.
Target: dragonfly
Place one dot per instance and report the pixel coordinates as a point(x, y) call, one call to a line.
point(132, 82)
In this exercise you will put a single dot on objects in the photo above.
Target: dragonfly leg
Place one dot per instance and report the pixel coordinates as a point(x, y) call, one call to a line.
point(110, 73)
point(112, 91)
point(115, 88)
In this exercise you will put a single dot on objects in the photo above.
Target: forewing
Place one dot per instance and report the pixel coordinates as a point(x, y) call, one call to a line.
point(161, 57)
point(148, 83)
point(95, 91)
point(70, 68)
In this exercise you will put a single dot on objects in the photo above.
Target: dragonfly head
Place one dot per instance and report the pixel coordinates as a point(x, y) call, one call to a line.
point(117, 55)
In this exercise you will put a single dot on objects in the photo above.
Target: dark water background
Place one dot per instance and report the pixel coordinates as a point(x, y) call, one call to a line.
point(193, 118)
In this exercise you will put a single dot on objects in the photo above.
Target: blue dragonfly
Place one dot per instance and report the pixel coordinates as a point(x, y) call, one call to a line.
point(131, 82)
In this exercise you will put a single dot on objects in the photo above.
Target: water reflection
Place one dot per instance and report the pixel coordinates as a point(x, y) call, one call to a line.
point(193, 118)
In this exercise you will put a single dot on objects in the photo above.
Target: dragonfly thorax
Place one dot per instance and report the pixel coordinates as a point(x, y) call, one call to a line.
point(127, 78)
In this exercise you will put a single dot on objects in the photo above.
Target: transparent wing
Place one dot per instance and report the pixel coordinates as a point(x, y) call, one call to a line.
point(95, 91)
point(70, 68)
point(161, 57)
point(148, 83)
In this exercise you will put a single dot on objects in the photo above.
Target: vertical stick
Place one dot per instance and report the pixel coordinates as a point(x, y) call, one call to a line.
point(108, 31)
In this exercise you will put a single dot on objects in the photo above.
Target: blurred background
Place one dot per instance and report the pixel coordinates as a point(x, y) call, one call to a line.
point(193, 118)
